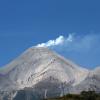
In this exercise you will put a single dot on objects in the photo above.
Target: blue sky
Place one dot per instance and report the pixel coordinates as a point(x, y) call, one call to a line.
point(26, 23)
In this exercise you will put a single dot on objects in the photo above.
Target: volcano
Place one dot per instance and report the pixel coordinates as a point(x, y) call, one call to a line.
point(43, 73)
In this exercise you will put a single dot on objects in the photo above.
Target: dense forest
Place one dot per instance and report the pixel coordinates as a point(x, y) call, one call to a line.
point(90, 95)
point(28, 94)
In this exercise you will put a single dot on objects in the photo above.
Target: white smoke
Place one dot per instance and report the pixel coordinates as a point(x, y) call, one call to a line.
point(58, 41)
point(73, 42)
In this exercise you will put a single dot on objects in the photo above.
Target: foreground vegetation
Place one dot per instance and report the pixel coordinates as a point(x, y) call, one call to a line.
point(90, 95)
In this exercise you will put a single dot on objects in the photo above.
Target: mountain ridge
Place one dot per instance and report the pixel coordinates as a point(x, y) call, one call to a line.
point(42, 69)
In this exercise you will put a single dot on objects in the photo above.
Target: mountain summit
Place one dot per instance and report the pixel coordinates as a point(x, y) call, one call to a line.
point(47, 73)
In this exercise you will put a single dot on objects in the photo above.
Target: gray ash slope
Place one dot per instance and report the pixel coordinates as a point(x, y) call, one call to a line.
point(44, 70)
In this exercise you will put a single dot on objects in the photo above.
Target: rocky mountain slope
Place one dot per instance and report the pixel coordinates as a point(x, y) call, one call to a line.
point(47, 74)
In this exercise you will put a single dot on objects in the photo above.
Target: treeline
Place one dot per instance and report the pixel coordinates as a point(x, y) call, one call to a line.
point(90, 95)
